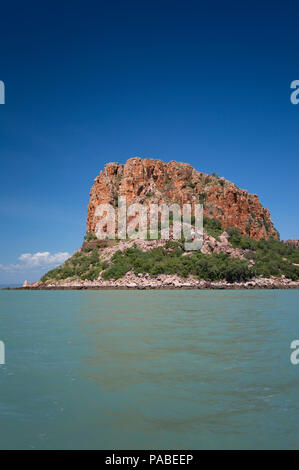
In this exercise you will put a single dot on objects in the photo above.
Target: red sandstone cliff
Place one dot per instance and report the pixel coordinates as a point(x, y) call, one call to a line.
point(153, 181)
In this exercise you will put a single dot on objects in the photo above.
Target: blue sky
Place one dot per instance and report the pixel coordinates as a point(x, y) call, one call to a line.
point(93, 82)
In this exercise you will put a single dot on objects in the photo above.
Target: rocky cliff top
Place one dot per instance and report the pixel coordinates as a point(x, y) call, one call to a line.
point(149, 181)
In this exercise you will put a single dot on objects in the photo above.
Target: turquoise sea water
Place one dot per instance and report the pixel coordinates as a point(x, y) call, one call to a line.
point(149, 369)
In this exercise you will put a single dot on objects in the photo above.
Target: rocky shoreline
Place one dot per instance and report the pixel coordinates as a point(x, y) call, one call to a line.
point(145, 282)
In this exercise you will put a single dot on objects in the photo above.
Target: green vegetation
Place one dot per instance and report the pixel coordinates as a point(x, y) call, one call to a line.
point(271, 257)
point(115, 198)
point(266, 226)
point(202, 198)
point(264, 257)
point(212, 226)
point(80, 265)
point(89, 237)
point(191, 185)
point(162, 261)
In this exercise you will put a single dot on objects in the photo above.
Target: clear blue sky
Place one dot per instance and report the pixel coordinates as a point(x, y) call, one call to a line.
point(206, 83)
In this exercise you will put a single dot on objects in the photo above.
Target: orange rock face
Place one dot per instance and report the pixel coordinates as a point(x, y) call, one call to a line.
point(148, 181)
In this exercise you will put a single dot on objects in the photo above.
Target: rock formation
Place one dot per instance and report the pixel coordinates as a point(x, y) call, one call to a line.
point(293, 243)
point(227, 259)
point(149, 181)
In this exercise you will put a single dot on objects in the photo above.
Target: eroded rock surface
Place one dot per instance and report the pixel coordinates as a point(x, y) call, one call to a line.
point(149, 181)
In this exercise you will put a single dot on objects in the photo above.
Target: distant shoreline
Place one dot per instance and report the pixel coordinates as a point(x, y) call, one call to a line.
point(211, 287)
